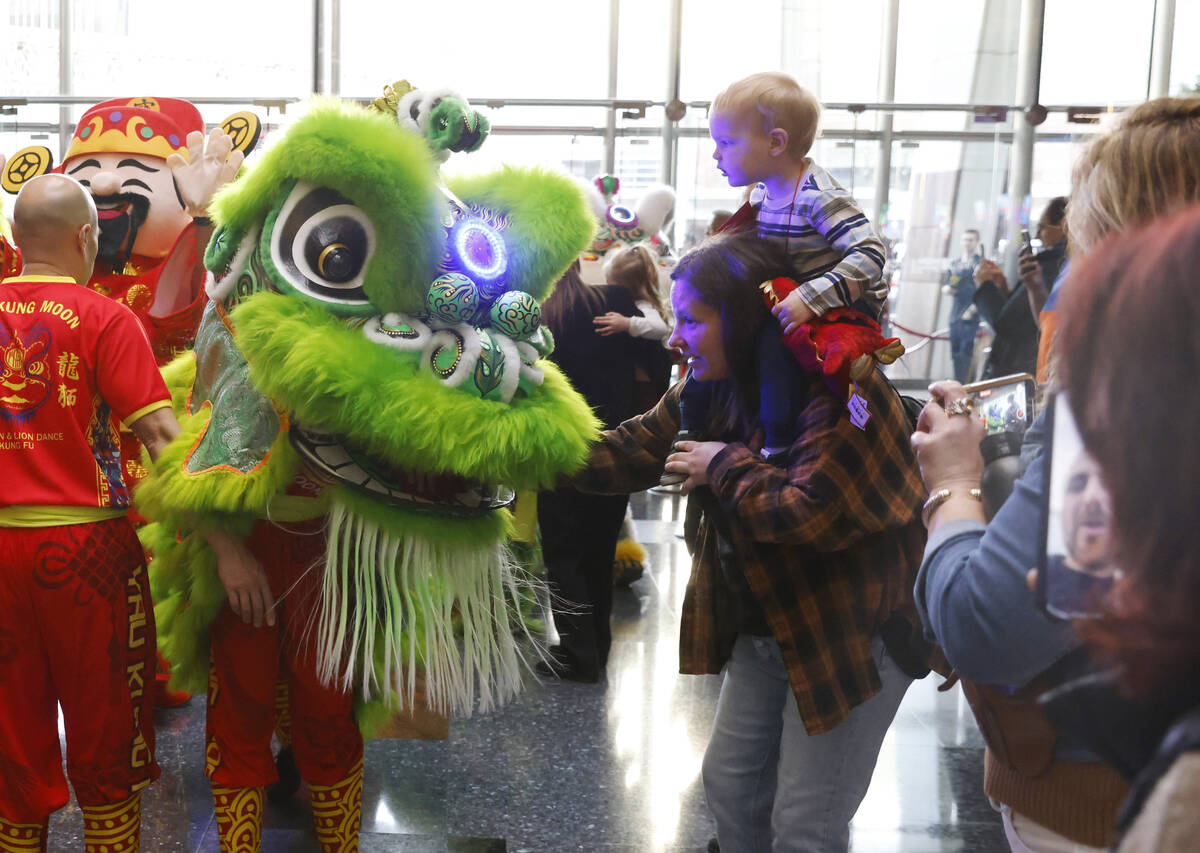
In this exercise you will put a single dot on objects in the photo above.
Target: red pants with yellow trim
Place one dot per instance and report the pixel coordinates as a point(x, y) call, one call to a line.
point(77, 630)
point(247, 662)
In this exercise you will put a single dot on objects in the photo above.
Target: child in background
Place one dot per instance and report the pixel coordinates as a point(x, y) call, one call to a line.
point(763, 127)
point(636, 269)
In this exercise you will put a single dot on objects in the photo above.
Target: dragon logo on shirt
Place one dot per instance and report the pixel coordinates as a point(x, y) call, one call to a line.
point(24, 373)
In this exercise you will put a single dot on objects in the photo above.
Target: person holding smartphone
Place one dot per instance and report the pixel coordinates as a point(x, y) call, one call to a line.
point(972, 589)
point(1008, 312)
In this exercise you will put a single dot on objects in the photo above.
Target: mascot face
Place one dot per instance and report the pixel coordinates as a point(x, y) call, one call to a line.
point(136, 201)
point(621, 225)
point(119, 152)
point(396, 321)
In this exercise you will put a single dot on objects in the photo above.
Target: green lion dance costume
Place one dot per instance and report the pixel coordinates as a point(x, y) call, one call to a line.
point(368, 390)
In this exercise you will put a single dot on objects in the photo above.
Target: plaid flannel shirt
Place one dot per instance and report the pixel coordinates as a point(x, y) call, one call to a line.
point(830, 546)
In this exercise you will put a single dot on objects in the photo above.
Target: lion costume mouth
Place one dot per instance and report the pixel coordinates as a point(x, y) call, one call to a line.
point(336, 460)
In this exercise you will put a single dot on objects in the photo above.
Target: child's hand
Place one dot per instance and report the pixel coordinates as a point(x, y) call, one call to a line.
point(792, 312)
point(611, 323)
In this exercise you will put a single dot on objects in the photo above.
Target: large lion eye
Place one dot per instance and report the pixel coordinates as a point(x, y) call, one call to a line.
point(322, 243)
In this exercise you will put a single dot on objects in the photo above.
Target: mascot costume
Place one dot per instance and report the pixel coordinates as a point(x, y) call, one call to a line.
point(621, 225)
point(152, 175)
point(10, 256)
point(367, 390)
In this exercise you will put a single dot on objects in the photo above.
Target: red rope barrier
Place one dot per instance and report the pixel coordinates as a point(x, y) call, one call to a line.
point(933, 337)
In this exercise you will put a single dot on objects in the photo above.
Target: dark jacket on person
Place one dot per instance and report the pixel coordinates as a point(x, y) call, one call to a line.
point(601, 368)
point(1015, 346)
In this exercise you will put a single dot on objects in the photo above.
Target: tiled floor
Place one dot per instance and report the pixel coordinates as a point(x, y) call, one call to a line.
point(606, 768)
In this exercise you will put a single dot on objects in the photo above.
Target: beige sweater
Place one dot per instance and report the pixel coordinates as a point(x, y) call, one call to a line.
point(1170, 820)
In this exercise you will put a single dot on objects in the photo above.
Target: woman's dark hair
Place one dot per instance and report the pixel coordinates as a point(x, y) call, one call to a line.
point(1130, 355)
point(1056, 210)
point(725, 271)
point(570, 295)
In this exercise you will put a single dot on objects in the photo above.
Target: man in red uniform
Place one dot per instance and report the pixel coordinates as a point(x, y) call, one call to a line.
point(76, 621)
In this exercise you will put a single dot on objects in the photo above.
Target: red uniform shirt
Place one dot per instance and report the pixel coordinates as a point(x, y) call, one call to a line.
point(73, 364)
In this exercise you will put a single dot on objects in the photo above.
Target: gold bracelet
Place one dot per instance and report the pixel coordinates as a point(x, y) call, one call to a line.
point(936, 499)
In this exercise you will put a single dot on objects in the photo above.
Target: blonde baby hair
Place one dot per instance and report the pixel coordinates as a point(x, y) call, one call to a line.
point(782, 102)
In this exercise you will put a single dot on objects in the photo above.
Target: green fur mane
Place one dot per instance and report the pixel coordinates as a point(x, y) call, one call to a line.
point(333, 377)
point(369, 158)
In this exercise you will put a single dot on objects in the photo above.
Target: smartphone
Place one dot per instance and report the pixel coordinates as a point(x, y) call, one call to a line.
point(1026, 241)
point(1005, 403)
point(1076, 569)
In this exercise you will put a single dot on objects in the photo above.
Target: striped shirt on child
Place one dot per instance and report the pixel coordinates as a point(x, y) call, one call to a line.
point(834, 251)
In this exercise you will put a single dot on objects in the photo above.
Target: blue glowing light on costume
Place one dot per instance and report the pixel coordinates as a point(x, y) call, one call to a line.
point(478, 250)
point(621, 216)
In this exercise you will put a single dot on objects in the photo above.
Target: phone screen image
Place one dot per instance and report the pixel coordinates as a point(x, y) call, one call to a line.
point(1077, 568)
point(1005, 407)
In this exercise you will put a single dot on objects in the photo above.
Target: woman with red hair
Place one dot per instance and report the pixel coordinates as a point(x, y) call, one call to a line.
point(971, 589)
point(1130, 356)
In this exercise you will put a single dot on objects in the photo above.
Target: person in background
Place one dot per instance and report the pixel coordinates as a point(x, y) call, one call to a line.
point(959, 282)
point(1014, 313)
point(972, 589)
point(635, 269)
point(579, 531)
point(719, 218)
point(1039, 272)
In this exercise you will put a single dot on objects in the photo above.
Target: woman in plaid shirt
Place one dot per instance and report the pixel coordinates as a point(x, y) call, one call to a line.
point(796, 570)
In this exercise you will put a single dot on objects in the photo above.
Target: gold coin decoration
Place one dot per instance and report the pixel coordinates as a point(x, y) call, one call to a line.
point(244, 129)
point(138, 297)
point(25, 165)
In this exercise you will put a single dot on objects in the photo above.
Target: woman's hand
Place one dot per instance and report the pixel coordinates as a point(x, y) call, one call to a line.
point(611, 323)
point(1035, 285)
point(692, 458)
point(947, 445)
point(989, 270)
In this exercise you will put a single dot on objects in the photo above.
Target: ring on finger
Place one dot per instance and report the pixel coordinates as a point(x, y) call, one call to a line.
point(961, 406)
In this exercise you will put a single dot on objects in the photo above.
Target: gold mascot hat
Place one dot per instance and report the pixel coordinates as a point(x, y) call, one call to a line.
point(149, 127)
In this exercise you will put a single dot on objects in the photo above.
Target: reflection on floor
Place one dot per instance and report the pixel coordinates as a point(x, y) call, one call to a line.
point(610, 768)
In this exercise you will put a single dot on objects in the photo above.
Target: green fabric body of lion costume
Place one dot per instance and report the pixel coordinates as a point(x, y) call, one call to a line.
point(377, 333)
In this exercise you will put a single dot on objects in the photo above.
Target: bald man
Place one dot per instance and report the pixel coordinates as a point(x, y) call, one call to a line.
point(76, 622)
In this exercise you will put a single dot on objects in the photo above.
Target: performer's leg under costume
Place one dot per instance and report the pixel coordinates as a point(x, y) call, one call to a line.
point(246, 664)
point(22, 837)
point(76, 629)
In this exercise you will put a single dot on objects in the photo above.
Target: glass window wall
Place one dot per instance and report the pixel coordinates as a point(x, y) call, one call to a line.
point(949, 168)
